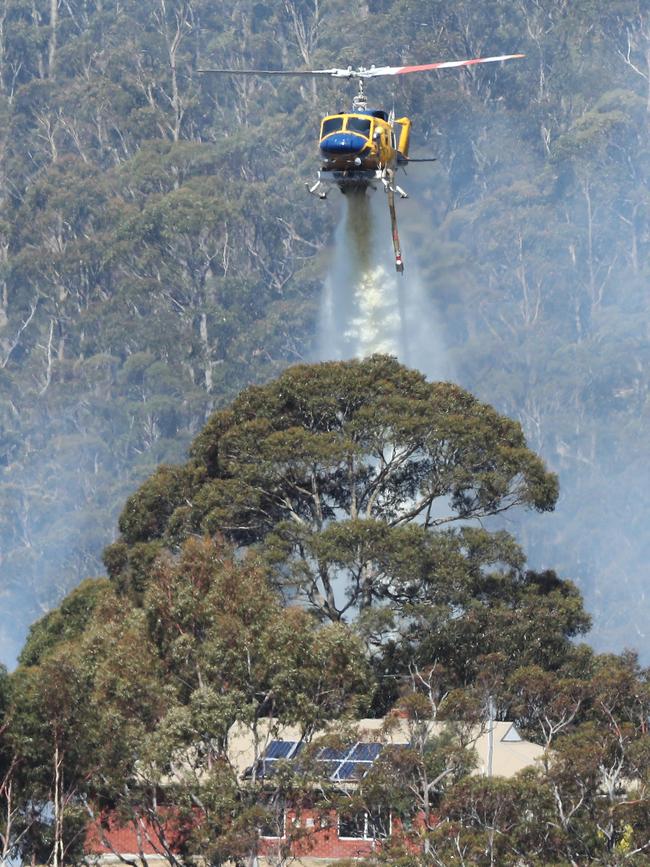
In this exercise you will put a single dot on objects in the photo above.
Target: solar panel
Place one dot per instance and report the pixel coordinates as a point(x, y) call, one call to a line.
point(349, 764)
point(365, 752)
point(274, 753)
point(279, 749)
point(352, 771)
point(332, 754)
point(328, 769)
point(352, 763)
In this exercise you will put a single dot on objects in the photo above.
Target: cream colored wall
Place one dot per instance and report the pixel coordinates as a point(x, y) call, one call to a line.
point(508, 758)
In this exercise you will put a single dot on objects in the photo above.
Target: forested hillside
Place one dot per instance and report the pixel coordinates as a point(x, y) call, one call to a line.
point(159, 251)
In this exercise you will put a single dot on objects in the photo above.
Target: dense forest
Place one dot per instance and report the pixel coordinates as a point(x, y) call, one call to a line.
point(159, 251)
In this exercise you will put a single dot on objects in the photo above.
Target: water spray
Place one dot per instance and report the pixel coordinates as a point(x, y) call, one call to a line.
point(366, 307)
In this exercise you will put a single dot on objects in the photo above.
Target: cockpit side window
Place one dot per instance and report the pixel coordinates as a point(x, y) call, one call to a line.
point(331, 124)
point(359, 124)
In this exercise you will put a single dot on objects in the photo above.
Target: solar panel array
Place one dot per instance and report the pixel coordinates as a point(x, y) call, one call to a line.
point(277, 751)
point(349, 764)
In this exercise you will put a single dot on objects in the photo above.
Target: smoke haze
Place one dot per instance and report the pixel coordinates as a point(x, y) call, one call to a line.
point(368, 308)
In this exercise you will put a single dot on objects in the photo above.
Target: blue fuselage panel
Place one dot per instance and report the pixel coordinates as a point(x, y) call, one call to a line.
point(340, 143)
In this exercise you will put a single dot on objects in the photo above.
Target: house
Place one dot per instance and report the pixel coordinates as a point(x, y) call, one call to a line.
point(318, 837)
point(500, 751)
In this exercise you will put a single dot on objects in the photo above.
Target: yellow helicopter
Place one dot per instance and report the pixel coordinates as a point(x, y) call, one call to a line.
point(365, 146)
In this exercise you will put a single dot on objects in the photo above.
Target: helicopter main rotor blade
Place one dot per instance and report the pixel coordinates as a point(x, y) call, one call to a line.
point(334, 72)
point(362, 72)
point(376, 71)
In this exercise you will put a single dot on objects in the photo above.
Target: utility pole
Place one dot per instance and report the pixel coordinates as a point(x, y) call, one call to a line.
point(491, 715)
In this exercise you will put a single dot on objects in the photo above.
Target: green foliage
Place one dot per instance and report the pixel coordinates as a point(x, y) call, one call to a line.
point(218, 622)
point(146, 513)
point(65, 623)
point(114, 702)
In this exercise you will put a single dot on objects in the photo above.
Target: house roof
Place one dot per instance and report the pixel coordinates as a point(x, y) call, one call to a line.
point(500, 750)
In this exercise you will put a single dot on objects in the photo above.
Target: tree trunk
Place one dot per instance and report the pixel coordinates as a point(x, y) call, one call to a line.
point(57, 858)
point(54, 25)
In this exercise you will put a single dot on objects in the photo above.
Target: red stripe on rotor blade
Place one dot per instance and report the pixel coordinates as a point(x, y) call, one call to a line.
point(455, 63)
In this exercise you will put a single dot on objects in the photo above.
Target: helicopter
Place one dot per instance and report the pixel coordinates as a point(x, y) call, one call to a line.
point(364, 148)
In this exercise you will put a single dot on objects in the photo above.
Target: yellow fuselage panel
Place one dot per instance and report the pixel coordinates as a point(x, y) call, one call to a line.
point(402, 131)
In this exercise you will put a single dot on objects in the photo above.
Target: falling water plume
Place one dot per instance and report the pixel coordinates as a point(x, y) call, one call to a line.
point(368, 308)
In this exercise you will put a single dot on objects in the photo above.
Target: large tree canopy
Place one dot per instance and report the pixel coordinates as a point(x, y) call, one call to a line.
point(330, 465)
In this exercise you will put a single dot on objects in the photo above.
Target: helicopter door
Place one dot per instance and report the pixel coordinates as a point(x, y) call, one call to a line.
point(402, 132)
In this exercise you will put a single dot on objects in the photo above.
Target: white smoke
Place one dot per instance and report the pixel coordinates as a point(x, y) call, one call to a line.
point(367, 306)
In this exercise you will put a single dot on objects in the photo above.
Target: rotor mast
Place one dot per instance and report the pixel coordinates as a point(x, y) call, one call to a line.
point(360, 101)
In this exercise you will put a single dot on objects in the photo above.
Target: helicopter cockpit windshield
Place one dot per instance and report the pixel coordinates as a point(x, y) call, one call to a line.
point(359, 124)
point(349, 123)
point(331, 124)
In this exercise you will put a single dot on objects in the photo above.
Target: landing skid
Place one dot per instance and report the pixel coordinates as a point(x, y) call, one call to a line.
point(315, 189)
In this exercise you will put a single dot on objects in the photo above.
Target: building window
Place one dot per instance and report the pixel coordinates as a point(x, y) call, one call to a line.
point(365, 825)
point(273, 824)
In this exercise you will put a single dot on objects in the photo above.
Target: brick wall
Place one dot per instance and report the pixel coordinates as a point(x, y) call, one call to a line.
point(316, 836)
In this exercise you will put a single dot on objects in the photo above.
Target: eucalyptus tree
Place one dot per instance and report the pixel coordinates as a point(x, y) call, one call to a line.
point(337, 468)
point(122, 715)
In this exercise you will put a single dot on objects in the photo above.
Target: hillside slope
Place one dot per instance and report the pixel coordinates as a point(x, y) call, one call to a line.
point(159, 251)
